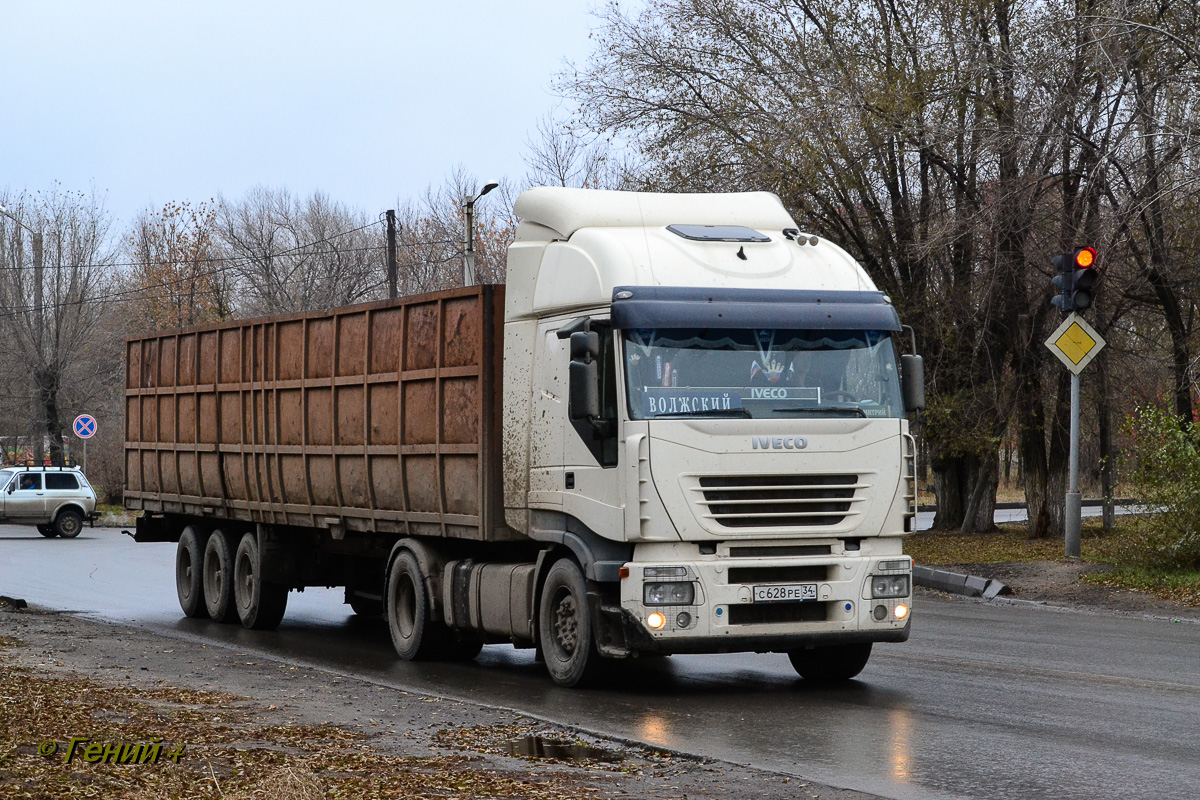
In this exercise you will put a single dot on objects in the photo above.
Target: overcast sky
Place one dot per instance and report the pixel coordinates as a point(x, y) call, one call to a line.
point(369, 101)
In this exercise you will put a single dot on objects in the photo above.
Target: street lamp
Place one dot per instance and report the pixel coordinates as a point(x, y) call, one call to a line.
point(469, 235)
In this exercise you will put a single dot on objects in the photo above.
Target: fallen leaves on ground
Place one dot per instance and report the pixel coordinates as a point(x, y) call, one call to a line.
point(233, 750)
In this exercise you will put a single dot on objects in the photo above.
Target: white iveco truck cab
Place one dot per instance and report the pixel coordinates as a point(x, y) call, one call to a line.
point(706, 408)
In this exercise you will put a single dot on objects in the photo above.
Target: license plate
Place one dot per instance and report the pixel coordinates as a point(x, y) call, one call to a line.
point(793, 593)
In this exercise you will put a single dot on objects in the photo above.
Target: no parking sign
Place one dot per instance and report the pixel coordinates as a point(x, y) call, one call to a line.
point(84, 426)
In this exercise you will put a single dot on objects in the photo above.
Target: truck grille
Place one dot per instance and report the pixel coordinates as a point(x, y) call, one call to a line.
point(778, 501)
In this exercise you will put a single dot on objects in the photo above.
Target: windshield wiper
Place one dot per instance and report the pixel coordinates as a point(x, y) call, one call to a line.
point(716, 412)
point(854, 411)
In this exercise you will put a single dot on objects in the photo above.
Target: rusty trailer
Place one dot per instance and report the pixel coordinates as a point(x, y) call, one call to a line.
point(380, 418)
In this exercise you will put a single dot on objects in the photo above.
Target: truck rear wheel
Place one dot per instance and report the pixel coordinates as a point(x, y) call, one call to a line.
point(833, 663)
point(218, 578)
point(565, 626)
point(189, 585)
point(260, 604)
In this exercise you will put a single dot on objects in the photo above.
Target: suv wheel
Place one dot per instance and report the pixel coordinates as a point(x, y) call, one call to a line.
point(68, 524)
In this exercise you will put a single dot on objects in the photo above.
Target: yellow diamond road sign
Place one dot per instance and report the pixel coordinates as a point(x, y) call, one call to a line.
point(1075, 342)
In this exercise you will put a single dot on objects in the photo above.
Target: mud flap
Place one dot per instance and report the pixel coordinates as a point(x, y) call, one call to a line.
point(155, 529)
point(608, 627)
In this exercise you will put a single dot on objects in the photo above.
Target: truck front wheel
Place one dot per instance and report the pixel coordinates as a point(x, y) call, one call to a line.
point(415, 636)
point(565, 626)
point(260, 605)
point(189, 585)
point(833, 663)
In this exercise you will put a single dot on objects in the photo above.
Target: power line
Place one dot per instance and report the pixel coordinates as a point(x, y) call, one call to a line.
point(143, 292)
point(206, 260)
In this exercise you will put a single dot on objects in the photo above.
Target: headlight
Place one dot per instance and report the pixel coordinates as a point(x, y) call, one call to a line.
point(676, 593)
point(889, 586)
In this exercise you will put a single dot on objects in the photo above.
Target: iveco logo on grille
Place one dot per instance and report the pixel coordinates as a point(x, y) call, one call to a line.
point(778, 443)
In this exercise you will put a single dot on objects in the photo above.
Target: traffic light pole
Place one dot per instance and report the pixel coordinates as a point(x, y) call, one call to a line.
point(1074, 509)
point(1075, 343)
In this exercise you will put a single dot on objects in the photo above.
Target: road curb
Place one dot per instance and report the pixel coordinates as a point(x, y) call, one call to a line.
point(957, 583)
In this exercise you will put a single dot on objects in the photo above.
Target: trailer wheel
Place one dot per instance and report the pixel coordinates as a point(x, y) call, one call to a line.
point(218, 578)
point(833, 663)
point(260, 604)
point(565, 626)
point(68, 524)
point(189, 585)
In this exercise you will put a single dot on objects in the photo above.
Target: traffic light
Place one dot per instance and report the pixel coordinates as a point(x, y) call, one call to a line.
point(1077, 273)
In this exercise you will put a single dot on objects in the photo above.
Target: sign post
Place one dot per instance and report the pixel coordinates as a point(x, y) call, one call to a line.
point(85, 428)
point(1076, 343)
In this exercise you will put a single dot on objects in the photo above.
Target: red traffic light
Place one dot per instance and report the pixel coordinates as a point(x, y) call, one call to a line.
point(1085, 257)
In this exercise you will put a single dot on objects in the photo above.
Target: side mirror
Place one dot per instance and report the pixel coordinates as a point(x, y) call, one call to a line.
point(912, 382)
point(584, 391)
point(11, 486)
point(585, 346)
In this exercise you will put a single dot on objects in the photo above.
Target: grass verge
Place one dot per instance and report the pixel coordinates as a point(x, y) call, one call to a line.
point(230, 749)
point(1123, 548)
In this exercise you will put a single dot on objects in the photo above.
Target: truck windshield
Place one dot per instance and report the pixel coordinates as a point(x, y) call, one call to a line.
point(763, 373)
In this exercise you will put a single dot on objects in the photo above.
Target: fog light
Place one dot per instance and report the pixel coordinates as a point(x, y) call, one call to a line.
point(656, 620)
point(683, 620)
point(901, 611)
point(880, 613)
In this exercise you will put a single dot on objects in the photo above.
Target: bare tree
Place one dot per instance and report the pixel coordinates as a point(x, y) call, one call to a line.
point(291, 254)
point(953, 146)
point(565, 155)
point(55, 271)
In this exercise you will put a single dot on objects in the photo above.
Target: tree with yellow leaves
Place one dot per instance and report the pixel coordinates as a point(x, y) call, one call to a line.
point(178, 276)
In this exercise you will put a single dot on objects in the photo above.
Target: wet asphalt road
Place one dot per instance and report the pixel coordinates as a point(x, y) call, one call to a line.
point(984, 701)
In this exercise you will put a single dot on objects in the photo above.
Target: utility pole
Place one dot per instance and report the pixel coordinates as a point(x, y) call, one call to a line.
point(39, 311)
point(391, 253)
point(43, 377)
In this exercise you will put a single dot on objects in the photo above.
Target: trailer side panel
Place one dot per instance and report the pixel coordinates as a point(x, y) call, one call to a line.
point(380, 417)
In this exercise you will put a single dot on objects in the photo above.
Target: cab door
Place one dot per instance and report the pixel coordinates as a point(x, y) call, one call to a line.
point(593, 490)
point(25, 498)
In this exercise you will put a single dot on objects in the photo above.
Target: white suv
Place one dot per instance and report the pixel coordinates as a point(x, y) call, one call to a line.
point(56, 499)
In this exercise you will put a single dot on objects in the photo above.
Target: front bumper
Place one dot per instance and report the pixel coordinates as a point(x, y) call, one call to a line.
point(724, 616)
